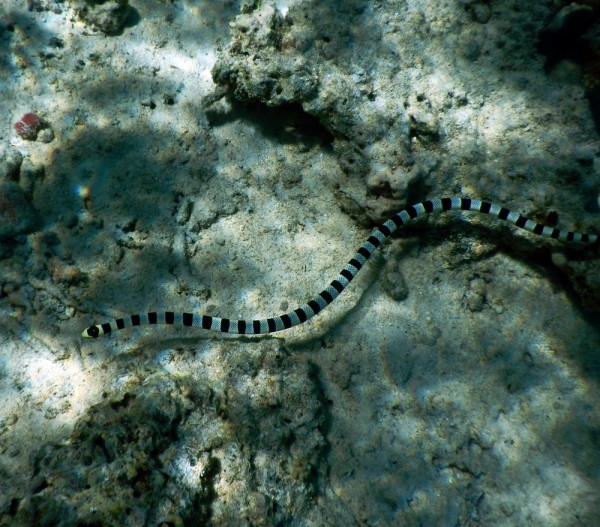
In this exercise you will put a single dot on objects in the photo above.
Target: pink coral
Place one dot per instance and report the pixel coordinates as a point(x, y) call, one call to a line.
point(29, 126)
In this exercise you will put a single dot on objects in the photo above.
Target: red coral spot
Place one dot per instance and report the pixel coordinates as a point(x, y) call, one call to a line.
point(31, 119)
point(20, 128)
point(29, 126)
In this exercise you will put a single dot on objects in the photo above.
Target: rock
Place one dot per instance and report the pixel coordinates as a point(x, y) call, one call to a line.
point(108, 16)
point(46, 135)
point(255, 70)
point(10, 163)
point(480, 12)
point(17, 215)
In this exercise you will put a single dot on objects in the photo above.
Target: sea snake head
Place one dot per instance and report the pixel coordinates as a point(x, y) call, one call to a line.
point(91, 332)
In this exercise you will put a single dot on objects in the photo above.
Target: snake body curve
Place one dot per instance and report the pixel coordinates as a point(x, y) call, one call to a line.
point(350, 270)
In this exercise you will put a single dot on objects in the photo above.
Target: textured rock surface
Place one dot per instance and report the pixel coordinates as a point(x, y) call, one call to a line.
point(225, 158)
point(17, 215)
point(159, 447)
point(10, 163)
point(108, 16)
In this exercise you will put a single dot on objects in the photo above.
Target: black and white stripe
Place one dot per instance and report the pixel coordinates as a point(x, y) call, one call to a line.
point(350, 270)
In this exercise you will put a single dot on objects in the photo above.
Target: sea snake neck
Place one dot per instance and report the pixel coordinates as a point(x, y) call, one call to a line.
point(350, 270)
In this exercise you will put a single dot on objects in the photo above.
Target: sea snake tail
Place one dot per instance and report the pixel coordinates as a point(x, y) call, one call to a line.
point(350, 270)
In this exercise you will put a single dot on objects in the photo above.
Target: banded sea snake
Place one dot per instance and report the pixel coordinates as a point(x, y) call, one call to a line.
point(334, 289)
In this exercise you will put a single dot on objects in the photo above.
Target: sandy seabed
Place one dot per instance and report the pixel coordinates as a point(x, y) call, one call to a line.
point(227, 158)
